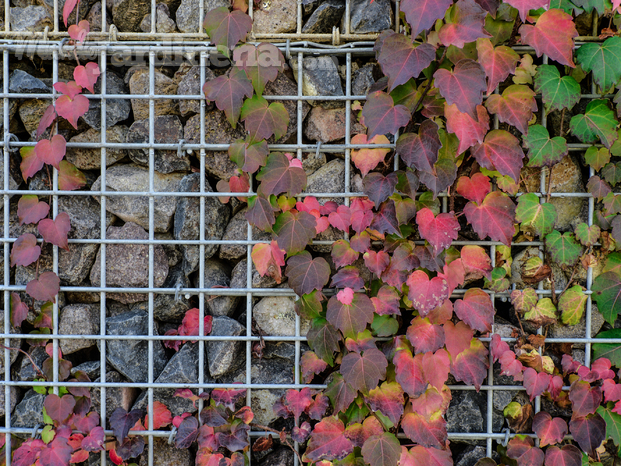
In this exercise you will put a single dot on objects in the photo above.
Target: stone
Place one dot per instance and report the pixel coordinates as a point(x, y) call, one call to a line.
point(187, 16)
point(164, 453)
point(30, 19)
point(78, 319)
point(501, 399)
point(190, 84)
point(470, 455)
point(325, 17)
point(282, 85)
point(240, 274)
point(131, 357)
point(26, 372)
point(559, 330)
point(15, 179)
point(320, 78)
point(163, 85)
point(127, 265)
point(187, 221)
point(168, 307)
point(329, 234)
point(519, 261)
point(117, 110)
point(368, 16)
point(90, 368)
point(465, 413)
point(29, 412)
point(167, 129)
point(363, 78)
point(30, 113)
point(276, 17)
point(14, 342)
point(223, 356)
point(276, 316)
point(94, 18)
point(132, 177)
point(237, 230)
point(21, 82)
point(163, 23)
point(280, 457)
point(328, 179)
point(327, 125)
point(116, 397)
point(313, 161)
point(13, 394)
point(127, 14)
point(218, 275)
point(89, 159)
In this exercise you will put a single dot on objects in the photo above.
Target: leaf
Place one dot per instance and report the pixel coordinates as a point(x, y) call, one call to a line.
point(500, 151)
point(497, 62)
point(493, 218)
point(307, 274)
point(426, 294)
point(260, 213)
point(382, 116)
point(549, 430)
point(564, 249)
point(186, 433)
point(376, 262)
point(51, 151)
point(410, 373)
point(94, 441)
point(470, 366)
point(523, 6)
point(327, 441)
point(524, 300)
point(68, 9)
point(401, 60)
point(268, 259)
point(226, 28)
point(294, 230)
point(584, 398)
point(228, 91)
point(604, 59)
point(445, 169)
point(467, 21)
point(263, 119)
point(425, 336)
point(69, 177)
point(571, 304)
point(557, 92)
point(468, 130)
point(352, 318)
point(79, 31)
point(86, 76)
point(599, 189)
point(72, 108)
point(544, 151)
point(553, 35)
point(544, 313)
point(476, 310)
point(382, 450)
point(598, 122)
point(367, 159)
point(311, 365)
point(428, 432)
point(568, 455)
point(587, 235)
point(419, 455)
point(262, 63)
point(535, 383)
point(281, 175)
point(531, 213)
point(589, 432)
point(474, 188)
point(515, 106)
point(25, 250)
point(59, 408)
point(422, 14)
point(249, 156)
point(476, 262)
point(46, 120)
point(597, 158)
point(363, 372)
point(379, 187)
point(522, 449)
point(613, 423)
point(30, 164)
point(463, 87)
point(122, 421)
point(606, 292)
point(55, 231)
point(57, 453)
point(420, 150)
point(439, 231)
point(31, 210)
point(19, 310)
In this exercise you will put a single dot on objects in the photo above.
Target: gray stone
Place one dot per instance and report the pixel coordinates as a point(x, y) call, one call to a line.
point(187, 13)
point(78, 319)
point(501, 399)
point(276, 316)
point(131, 357)
point(328, 179)
point(163, 85)
point(163, 23)
point(327, 125)
point(190, 84)
point(282, 85)
point(240, 274)
point(127, 14)
point(165, 453)
point(167, 130)
point(223, 356)
point(88, 159)
point(369, 16)
point(559, 330)
point(13, 394)
point(90, 368)
point(218, 275)
point(117, 110)
point(187, 220)
point(21, 82)
point(127, 265)
point(168, 307)
point(30, 113)
point(325, 17)
point(237, 230)
point(116, 397)
point(312, 162)
point(362, 79)
point(82, 9)
point(135, 209)
point(275, 17)
point(464, 413)
point(14, 342)
point(470, 455)
point(15, 180)
point(321, 78)
point(280, 457)
point(94, 18)
point(26, 372)
point(30, 19)
point(29, 411)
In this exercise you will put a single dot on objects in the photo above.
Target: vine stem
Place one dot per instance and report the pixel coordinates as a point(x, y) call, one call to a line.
point(34, 365)
point(274, 431)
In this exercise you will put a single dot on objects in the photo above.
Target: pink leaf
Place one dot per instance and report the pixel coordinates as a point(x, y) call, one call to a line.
point(524, 6)
point(25, 250)
point(493, 218)
point(500, 151)
point(79, 31)
point(468, 130)
point(424, 293)
point(382, 116)
point(31, 210)
point(422, 14)
point(367, 159)
point(72, 109)
point(553, 34)
point(549, 430)
point(474, 188)
point(55, 231)
point(463, 87)
point(19, 310)
point(51, 151)
point(86, 76)
point(498, 62)
point(45, 288)
point(401, 60)
point(68, 9)
point(535, 383)
point(440, 231)
point(467, 24)
point(46, 120)
point(476, 310)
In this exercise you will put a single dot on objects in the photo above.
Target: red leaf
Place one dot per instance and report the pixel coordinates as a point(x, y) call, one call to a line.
point(468, 130)
point(55, 231)
point(57, 453)
point(72, 109)
point(228, 91)
point(25, 250)
point(431, 401)
point(280, 175)
point(30, 164)
point(474, 188)
point(523, 450)
point(327, 441)
point(191, 322)
point(46, 120)
point(249, 156)
point(268, 259)
point(227, 397)
point(361, 217)
point(409, 372)
point(515, 106)
point(121, 421)
point(422, 14)
point(51, 151)
point(439, 231)
point(498, 62)
point(298, 401)
point(381, 450)
point(58, 408)
point(299, 434)
point(535, 383)
point(79, 31)
point(307, 274)
point(86, 76)
point(294, 230)
point(94, 441)
point(368, 158)
point(69, 177)
point(130, 448)
point(79, 456)
point(493, 218)
point(262, 119)
point(612, 390)
point(524, 6)
point(379, 187)
point(28, 452)
point(589, 432)
point(553, 34)
point(341, 219)
point(470, 366)
point(476, 262)
point(426, 432)
point(569, 455)
point(420, 150)
point(387, 398)
point(350, 318)
point(549, 430)
point(426, 294)
point(467, 24)
point(31, 210)
point(584, 398)
point(500, 151)
point(376, 262)
point(68, 9)
point(476, 310)
point(359, 433)
point(387, 301)
point(311, 365)
point(19, 310)
point(401, 60)
point(364, 372)
point(420, 455)
point(343, 254)
point(226, 28)
point(382, 116)
point(463, 87)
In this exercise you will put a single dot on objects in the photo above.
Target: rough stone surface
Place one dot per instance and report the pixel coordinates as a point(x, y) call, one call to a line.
point(559, 330)
point(27, 373)
point(88, 159)
point(15, 343)
point(223, 355)
point(276, 316)
point(325, 17)
point(90, 368)
point(190, 84)
point(29, 411)
point(13, 395)
point(30, 19)
point(21, 82)
point(240, 275)
point(117, 110)
point(135, 209)
point(163, 85)
point(30, 113)
point(327, 125)
point(369, 16)
point(276, 17)
point(471, 455)
point(187, 13)
point(163, 453)
point(280, 457)
point(363, 78)
point(127, 265)
point(130, 357)
point(218, 275)
point(237, 230)
point(94, 17)
point(115, 397)
point(328, 179)
point(519, 260)
point(321, 78)
point(167, 130)
point(464, 413)
point(78, 319)
point(168, 307)
point(163, 22)
point(127, 14)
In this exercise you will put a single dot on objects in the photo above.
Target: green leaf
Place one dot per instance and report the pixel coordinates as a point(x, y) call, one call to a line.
point(612, 173)
point(571, 304)
point(613, 423)
point(599, 5)
point(606, 292)
point(294, 231)
point(603, 59)
point(556, 93)
point(611, 351)
point(384, 326)
point(613, 263)
point(566, 5)
point(544, 313)
point(564, 249)
point(587, 235)
point(534, 215)
point(597, 158)
point(544, 151)
point(598, 122)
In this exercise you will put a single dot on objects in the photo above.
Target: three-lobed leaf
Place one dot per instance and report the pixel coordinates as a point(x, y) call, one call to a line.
point(228, 92)
point(307, 274)
point(543, 150)
point(382, 116)
point(226, 28)
point(534, 215)
point(497, 62)
point(604, 60)
point(564, 249)
point(500, 151)
point(515, 106)
point(557, 92)
point(494, 217)
point(401, 60)
point(263, 119)
point(464, 86)
point(597, 122)
point(553, 35)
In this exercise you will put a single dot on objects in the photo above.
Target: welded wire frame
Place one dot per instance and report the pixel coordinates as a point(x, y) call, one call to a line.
point(104, 52)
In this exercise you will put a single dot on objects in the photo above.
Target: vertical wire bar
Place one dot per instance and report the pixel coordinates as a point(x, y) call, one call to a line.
point(56, 17)
point(347, 16)
point(153, 17)
point(54, 206)
point(201, 14)
point(299, 18)
point(5, 265)
point(347, 128)
point(201, 247)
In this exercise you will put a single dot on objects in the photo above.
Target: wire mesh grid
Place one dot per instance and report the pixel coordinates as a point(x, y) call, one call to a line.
point(105, 52)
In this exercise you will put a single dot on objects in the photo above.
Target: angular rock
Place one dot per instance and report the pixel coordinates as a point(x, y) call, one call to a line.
point(78, 319)
point(223, 356)
point(327, 125)
point(135, 209)
point(163, 23)
point(14, 342)
point(26, 372)
point(131, 357)
point(167, 130)
point(187, 16)
point(321, 78)
point(21, 82)
point(30, 19)
point(218, 275)
point(363, 78)
point(282, 85)
point(187, 221)
point(164, 453)
point(328, 179)
point(169, 307)
point(190, 84)
point(470, 456)
point(276, 17)
point(94, 18)
point(13, 394)
point(465, 413)
point(29, 411)
point(127, 14)
point(88, 159)
point(280, 457)
point(240, 274)
point(237, 230)
point(90, 368)
point(276, 316)
point(368, 16)
point(559, 330)
point(116, 397)
point(312, 162)
point(163, 85)
point(325, 17)
point(117, 110)
point(30, 113)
